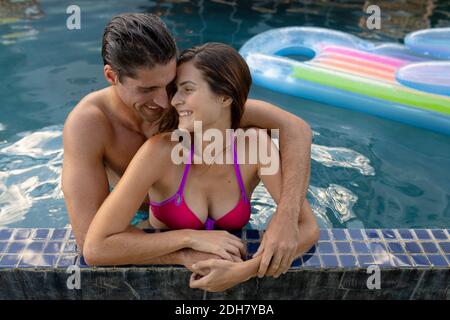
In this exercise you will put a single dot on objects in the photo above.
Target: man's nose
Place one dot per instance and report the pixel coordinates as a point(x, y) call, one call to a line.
point(162, 100)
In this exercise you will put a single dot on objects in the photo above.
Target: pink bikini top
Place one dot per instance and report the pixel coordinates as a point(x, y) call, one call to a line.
point(176, 214)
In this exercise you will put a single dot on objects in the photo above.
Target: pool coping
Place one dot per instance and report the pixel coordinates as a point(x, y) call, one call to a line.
point(406, 258)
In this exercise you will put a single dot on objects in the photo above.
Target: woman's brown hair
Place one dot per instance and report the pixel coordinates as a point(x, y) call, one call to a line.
point(226, 73)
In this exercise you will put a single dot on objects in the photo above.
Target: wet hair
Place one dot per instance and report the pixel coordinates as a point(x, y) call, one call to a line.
point(135, 40)
point(226, 73)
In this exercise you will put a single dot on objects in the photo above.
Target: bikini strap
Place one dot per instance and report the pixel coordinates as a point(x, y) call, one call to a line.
point(238, 170)
point(186, 171)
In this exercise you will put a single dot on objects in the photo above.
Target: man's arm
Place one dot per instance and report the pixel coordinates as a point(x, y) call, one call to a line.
point(280, 239)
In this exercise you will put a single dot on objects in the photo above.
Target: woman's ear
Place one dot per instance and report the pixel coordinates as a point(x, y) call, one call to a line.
point(110, 75)
point(227, 101)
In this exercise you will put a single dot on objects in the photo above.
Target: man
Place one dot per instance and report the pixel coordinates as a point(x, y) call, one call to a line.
point(105, 130)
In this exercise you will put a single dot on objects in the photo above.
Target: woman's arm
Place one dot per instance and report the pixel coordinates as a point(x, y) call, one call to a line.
point(110, 238)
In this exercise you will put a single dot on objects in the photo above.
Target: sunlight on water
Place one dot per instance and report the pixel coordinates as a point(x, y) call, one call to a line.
point(30, 174)
point(341, 157)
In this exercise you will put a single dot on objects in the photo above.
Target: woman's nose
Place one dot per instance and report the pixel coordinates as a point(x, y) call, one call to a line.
point(176, 101)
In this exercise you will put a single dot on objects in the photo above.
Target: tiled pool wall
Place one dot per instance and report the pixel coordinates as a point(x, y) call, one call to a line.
point(413, 264)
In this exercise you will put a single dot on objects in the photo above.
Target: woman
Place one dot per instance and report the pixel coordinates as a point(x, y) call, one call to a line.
point(212, 86)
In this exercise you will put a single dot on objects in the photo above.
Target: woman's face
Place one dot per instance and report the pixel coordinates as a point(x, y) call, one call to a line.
point(194, 100)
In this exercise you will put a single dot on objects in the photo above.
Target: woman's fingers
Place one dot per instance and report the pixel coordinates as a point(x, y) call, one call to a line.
point(238, 244)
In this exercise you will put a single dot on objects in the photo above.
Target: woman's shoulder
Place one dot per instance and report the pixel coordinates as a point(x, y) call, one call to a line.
point(160, 144)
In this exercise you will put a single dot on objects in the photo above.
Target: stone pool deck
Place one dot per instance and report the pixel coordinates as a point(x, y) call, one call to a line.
point(413, 264)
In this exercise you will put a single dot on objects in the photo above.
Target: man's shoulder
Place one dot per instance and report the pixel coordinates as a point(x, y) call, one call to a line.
point(88, 121)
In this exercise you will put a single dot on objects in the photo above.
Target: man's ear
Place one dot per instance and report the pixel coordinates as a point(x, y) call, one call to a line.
point(110, 75)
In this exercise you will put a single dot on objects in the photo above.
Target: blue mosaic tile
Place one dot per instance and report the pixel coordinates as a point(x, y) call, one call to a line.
point(396, 247)
point(59, 234)
point(372, 234)
point(9, 260)
point(81, 262)
point(252, 247)
point(420, 260)
point(5, 234)
point(339, 234)
point(377, 247)
point(448, 258)
point(16, 247)
point(53, 247)
point(71, 235)
point(402, 260)
point(439, 234)
point(326, 247)
point(413, 247)
point(437, 260)
point(311, 261)
point(22, 234)
point(324, 235)
point(429, 247)
point(348, 260)
point(296, 263)
point(383, 260)
point(330, 261)
point(360, 247)
point(70, 247)
point(66, 260)
point(343, 247)
point(3, 246)
point(253, 234)
point(36, 246)
point(312, 250)
point(45, 260)
point(365, 260)
point(445, 246)
point(406, 234)
point(356, 234)
point(422, 234)
point(237, 233)
point(41, 234)
point(388, 234)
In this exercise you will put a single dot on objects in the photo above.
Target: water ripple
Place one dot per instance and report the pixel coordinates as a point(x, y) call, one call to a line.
point(30, 171)
point(342, 157)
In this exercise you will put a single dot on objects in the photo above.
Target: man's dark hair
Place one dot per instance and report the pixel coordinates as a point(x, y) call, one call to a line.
point(134, 40)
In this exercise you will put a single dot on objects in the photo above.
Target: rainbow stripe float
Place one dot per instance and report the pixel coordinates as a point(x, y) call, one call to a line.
point(409, 84)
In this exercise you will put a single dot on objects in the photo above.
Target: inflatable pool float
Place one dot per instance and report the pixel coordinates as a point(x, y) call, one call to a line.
point(407, 83)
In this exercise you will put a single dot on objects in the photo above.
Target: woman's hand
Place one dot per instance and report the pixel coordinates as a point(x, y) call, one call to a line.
point(215, 275)
point(221, 243)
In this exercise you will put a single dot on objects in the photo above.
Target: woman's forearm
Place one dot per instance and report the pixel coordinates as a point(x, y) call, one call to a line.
point(134, 246)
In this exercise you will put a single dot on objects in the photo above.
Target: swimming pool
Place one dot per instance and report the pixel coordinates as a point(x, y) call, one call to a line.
point(366, 172)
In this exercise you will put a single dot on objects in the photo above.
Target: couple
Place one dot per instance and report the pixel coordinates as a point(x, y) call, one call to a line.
point(121, 137)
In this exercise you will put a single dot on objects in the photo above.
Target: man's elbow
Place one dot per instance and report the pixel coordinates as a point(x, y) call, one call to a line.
point(303, 128)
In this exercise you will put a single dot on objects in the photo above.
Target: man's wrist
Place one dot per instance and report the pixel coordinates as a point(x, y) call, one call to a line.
point(289, 210)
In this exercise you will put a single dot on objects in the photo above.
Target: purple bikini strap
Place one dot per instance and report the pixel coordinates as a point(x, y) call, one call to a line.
point(238, 170)
point(186, 171)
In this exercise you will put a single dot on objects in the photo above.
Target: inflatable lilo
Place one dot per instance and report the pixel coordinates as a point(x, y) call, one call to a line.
point(408, 83)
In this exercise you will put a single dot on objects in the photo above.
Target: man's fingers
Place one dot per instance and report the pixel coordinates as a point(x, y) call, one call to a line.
point(275, 264)
point(200, 283)
point(204, 264)
point(266, 258)
point(240, 246)
point(260, 249)
point(283, 265)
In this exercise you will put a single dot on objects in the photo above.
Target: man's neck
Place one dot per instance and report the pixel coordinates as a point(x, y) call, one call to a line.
point(128, 117)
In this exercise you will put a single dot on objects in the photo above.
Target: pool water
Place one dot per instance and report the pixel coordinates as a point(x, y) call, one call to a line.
point(366, 172)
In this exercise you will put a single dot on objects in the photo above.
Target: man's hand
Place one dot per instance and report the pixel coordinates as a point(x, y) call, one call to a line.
point(215, 275)
point(190, 257)
point(278, 246)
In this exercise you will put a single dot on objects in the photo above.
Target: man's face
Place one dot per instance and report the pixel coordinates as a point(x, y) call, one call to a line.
point(147, 92)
